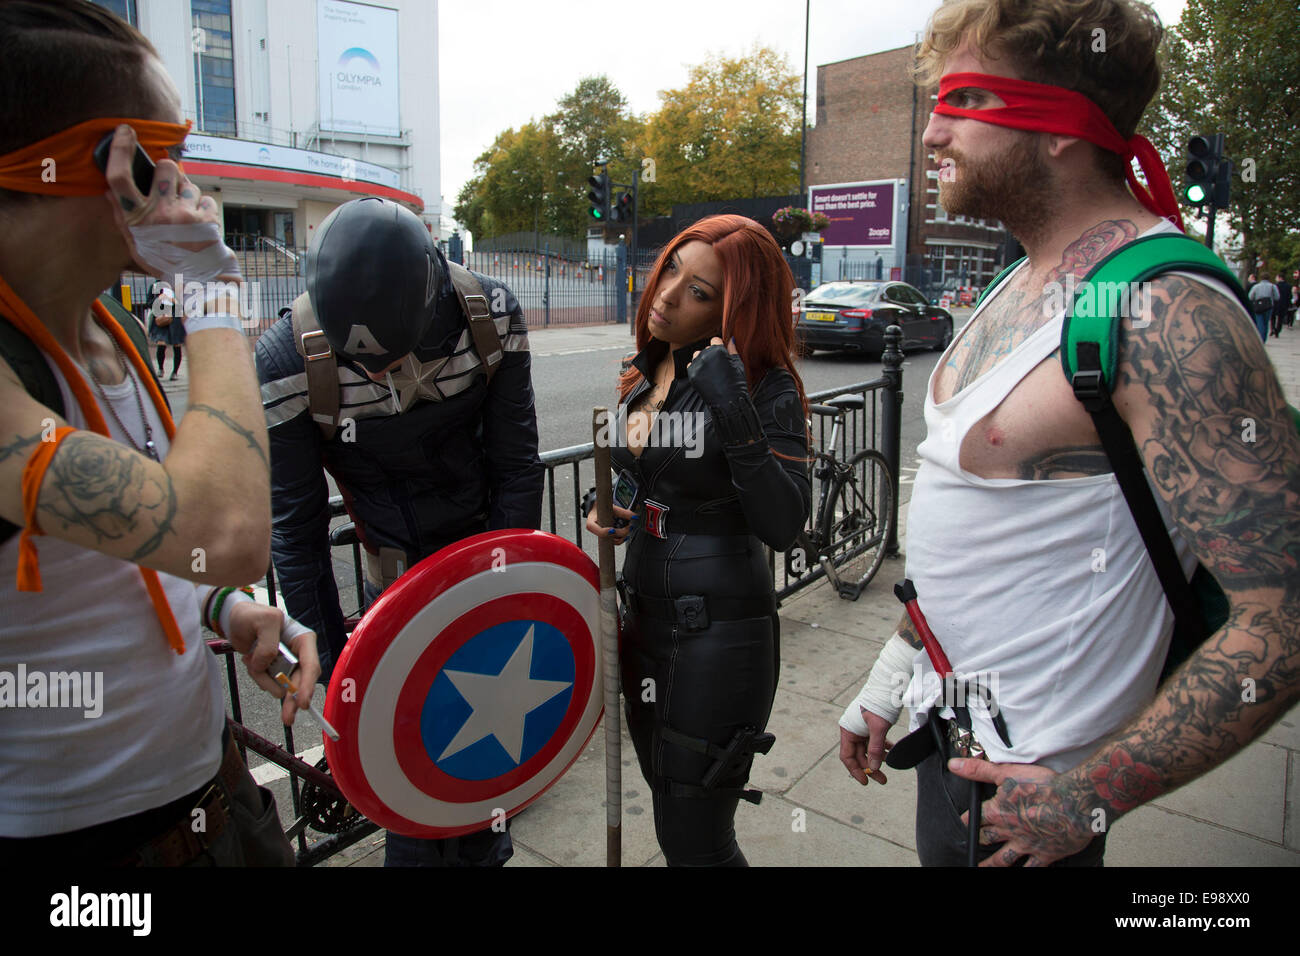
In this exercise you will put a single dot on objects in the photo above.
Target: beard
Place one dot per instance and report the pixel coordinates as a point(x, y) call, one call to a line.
point(1015, 188)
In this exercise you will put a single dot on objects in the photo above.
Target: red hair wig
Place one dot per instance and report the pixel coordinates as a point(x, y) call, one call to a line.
point(757, 297)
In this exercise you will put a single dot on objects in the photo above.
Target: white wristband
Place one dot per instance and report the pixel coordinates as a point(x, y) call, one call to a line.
point(883, 692)
point(160, 246)
point(217, 320)
point(223, 619)
point(290, 629)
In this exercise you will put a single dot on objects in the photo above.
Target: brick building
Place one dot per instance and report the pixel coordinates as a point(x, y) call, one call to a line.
point(870, 119)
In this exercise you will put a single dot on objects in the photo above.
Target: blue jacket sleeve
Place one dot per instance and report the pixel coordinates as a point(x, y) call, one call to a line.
point(515, 472)
point(299, 498)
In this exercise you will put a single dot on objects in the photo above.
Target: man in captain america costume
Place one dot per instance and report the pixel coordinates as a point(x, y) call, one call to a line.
point(427, 449)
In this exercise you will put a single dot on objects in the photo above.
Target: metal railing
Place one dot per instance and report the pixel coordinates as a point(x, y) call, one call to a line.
point(556, 290)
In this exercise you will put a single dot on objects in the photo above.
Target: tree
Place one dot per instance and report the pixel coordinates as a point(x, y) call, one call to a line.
point(732, 131)
point(1233, 66)
point(536, 177)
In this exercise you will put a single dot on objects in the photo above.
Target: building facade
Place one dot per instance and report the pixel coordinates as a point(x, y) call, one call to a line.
point(300, 105)
point(866, 148)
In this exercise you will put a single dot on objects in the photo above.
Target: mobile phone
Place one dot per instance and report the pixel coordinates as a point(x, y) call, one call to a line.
point(141, 164)
point(625, 490)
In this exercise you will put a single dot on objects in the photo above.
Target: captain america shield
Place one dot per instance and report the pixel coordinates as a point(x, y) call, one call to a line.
point(470, 686)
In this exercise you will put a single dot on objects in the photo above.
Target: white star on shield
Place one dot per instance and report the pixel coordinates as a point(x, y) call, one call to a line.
point(501, 702)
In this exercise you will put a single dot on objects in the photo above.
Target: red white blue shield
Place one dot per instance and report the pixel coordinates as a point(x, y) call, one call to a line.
point(470, 686)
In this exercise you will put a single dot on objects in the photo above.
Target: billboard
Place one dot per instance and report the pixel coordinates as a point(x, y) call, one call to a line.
point(860, 214)
point(218, 149)
point(357, 49)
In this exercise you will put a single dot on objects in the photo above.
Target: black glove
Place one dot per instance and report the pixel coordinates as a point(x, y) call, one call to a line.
point(719, 377)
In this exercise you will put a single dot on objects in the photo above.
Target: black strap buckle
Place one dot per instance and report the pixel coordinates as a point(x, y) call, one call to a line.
point(1090, 388)
point(692, 612)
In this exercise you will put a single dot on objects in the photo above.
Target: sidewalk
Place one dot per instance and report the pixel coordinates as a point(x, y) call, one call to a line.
point(1245, 813)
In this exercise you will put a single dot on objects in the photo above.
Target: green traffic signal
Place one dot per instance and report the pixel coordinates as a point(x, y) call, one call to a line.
point(1195, 194)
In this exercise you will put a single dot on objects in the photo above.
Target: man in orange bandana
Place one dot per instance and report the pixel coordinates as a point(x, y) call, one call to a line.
point(1026, 560)
point(127, 520)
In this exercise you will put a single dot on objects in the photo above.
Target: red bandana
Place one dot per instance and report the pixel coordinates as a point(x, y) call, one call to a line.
point(1053, 109)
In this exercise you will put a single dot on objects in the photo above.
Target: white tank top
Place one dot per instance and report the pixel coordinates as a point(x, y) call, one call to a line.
point(157, 732)
point(1008, 573)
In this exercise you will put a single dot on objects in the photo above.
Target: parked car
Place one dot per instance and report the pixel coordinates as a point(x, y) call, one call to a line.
point(853, 316)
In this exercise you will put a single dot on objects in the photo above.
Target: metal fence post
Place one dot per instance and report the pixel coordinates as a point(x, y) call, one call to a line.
point(546, 289)
point(891, 427)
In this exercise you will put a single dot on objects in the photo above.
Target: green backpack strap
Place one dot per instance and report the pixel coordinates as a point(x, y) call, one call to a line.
point(1090, 346)
point(997, 280)
point(1115, 283)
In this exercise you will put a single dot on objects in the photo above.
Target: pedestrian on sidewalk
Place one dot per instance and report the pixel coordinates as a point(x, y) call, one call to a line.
point(1283, 304)
point(1263, 297)
point(165, 326)
point(1024, 554)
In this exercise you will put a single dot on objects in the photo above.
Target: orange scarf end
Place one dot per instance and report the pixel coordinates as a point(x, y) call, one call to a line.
point(29, 564)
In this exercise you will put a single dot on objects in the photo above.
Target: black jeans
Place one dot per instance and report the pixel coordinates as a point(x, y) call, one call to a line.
point(942, 797)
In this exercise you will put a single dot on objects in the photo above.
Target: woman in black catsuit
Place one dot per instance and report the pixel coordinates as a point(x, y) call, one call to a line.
point(715, 438)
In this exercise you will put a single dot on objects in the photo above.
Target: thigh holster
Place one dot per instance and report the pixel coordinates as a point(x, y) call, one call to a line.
point(728, 762)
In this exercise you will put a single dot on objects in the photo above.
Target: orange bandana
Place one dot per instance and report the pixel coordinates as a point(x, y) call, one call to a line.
point(64, 164)
point(25, 321)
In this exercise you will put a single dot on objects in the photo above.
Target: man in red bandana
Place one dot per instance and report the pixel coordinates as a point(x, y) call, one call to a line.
point(113, 748)
point(1025, 558)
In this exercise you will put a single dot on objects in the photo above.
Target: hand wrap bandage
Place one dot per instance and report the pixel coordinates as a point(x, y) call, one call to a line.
point(289, 628)
point(883, 692)
point(159, 246)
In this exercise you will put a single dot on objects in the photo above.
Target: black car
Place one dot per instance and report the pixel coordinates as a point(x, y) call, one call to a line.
point(853, 316)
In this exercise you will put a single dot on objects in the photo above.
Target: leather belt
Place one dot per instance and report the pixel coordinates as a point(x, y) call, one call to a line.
point(962, 743)
point(180, 844)
point(694, 611)
point(661, 520)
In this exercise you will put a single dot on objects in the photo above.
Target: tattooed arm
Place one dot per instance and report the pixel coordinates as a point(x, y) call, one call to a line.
point(212, 492)
point(1208, 415)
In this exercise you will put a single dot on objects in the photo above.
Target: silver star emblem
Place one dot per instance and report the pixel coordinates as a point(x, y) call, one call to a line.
point(416, 380)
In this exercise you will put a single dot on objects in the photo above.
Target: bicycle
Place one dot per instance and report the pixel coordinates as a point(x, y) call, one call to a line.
point(854, 516)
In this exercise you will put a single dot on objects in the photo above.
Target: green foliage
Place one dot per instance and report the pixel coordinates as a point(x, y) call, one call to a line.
point(536, 177)
point(731, 132)
point(1233, 66)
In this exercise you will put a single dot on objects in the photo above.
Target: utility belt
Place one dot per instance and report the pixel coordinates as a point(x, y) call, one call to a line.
point(694, 612)
point(384, 568)
point(660, 520)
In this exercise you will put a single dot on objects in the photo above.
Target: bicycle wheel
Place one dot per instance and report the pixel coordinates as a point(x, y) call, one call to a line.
point(858, 519)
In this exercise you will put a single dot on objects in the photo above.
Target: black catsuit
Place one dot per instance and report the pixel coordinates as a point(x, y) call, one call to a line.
point(700, 649)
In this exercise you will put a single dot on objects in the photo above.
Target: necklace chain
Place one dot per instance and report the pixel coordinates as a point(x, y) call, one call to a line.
point(149, 448)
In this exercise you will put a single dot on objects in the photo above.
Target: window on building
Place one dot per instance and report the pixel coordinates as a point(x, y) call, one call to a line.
point(214, 66)
point(125, 9)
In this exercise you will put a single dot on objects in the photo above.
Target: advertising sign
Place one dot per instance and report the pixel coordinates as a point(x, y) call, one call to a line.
point(860, 214)
point(218, 149)
point(357, 45)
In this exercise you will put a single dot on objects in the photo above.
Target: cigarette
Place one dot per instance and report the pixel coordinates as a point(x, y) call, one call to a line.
point(311, 707)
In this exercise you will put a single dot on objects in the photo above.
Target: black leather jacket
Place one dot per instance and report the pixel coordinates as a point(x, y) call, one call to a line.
point(418, 480)
point(721, 493)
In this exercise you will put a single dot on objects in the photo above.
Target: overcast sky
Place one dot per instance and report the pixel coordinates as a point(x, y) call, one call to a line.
point(504, 62)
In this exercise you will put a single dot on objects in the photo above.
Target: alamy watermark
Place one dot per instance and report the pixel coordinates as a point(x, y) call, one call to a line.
point(194, 296)
point(663, 430)
point(78, 690)
point(1125, 300)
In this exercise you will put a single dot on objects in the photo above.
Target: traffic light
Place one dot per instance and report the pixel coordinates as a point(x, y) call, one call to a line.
point(598, 196)
point(624, 207)
point(1223, 185)
point(1204, 155)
